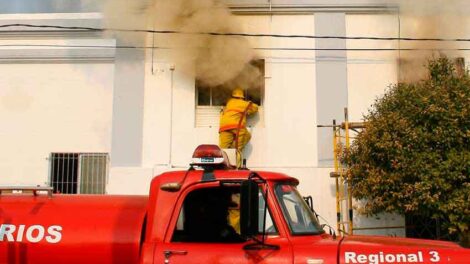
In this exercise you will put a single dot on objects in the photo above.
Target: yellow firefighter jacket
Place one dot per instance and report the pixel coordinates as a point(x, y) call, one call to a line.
point(234, 111)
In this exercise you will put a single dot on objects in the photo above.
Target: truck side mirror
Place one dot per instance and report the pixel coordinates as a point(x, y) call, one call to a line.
point(249, 195)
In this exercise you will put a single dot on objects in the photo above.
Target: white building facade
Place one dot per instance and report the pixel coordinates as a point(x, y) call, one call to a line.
point(71, 101)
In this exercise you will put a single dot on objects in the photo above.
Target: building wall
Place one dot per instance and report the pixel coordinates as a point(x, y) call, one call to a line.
point(53, 98)
point(370, 72)
point(285, 136)
point(290, 74)
point(51, 107)
point(91, 104)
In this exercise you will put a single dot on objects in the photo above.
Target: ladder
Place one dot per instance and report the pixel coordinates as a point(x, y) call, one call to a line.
point(341, 145)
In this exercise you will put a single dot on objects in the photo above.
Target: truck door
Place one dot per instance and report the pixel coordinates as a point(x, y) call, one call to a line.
point(205, 230)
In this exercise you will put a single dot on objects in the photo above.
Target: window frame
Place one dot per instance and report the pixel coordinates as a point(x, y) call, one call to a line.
point(72, 165)
point(175, 219)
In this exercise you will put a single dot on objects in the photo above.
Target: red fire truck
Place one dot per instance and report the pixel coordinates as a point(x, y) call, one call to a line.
point(209, 213)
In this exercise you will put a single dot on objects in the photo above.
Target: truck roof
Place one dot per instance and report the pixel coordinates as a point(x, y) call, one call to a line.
point(197, 175)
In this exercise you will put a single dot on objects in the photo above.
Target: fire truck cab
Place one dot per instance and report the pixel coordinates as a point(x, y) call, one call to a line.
point(209, 213)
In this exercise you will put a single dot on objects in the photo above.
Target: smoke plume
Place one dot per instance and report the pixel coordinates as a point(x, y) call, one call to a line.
point(430, 19)
point(213, 60)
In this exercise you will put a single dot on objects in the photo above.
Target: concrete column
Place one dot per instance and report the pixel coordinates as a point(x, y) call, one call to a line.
point(332, 89)
point(128, 109)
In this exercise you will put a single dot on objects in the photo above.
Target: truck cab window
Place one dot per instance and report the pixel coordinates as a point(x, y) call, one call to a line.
point(204, 217)
point(270, 227)
point(212, 215)
point(300, 218)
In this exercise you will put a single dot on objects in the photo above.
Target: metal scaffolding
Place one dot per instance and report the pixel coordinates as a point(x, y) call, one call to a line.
point(341, 144)
point(343, 134)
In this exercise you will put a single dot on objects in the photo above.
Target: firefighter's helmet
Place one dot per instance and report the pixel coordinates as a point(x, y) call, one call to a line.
point(238, 93)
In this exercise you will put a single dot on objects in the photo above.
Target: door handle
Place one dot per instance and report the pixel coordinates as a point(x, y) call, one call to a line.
point(169, 253)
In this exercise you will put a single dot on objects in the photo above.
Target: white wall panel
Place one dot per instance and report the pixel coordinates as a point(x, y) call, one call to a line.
point(51, 107)
point(370, 72)
point(288, 124)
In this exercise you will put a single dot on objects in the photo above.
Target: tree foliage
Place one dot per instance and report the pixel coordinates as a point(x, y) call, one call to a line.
point(414, 153)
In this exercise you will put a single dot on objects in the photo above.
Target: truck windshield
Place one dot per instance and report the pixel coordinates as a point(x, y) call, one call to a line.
point(298, 215)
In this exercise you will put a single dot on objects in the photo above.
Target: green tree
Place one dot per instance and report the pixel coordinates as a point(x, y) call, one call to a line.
point(413, 156)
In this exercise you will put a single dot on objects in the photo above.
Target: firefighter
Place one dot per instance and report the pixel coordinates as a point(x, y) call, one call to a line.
point(234, 212)
point(232, 131)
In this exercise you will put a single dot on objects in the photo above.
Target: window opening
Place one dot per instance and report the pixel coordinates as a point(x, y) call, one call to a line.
point(74, 173)
point(270, 227)
point(253, 86)
point(211, 99)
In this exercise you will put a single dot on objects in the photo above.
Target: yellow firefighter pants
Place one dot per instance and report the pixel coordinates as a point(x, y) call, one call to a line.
point(234, 219)
point(227, 140)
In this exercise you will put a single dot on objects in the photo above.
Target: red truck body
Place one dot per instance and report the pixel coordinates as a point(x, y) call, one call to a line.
point(139, 229)
point(92, 229)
